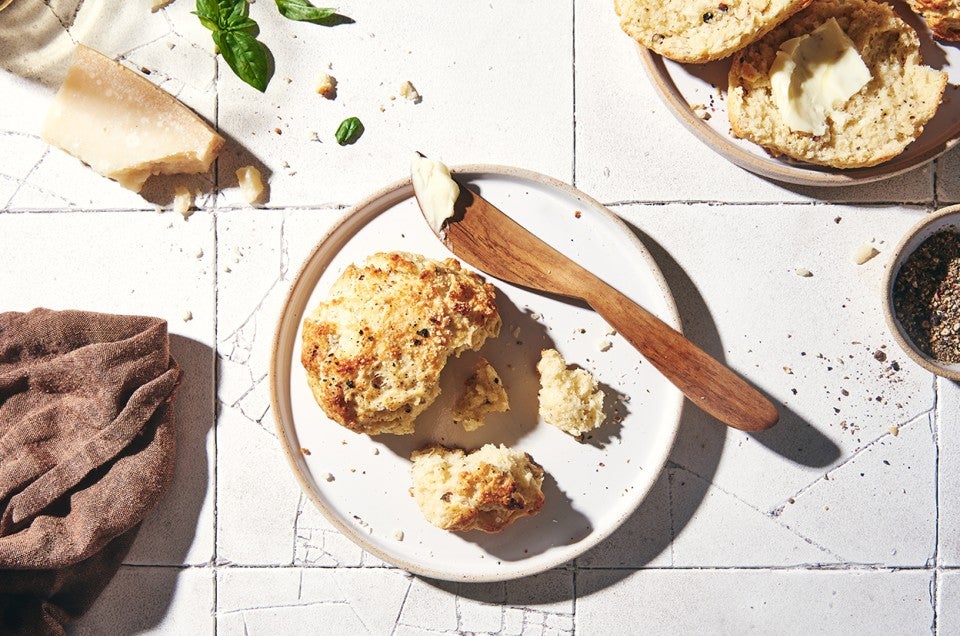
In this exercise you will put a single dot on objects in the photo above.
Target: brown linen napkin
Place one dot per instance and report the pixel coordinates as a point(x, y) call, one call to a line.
point(86, 450)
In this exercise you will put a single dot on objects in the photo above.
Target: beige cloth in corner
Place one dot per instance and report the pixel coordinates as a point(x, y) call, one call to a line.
point(86, 450)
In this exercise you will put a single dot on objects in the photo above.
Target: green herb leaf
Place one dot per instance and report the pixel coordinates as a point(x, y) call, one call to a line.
point(304, 11)
point(349, 131)
point(246, 56)
point(207, 22)
point(240, 23)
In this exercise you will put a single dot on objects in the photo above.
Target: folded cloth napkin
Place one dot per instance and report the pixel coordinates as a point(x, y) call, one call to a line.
point(86, 450)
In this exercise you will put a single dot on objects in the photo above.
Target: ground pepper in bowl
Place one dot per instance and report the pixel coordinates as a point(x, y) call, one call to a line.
point(926, 296)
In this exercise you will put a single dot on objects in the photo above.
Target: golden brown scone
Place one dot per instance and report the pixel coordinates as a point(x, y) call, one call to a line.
point(876, 123)
point(569, 398)
point(483, 393)
point(374, 349)
point(942, 16)
point(486, 489)
point(702, 30)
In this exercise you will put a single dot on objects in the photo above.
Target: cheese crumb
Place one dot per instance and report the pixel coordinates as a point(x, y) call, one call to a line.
point(398, 534)
point(864, 253)
point(183, 201)
point(199, 252)
point(894, 430)
point(604, 345)
point(159, 4)
point(327, 477)
point(327, 86)
point(804, 272)
point(187, 316)
point(409, 92)
point(251, 183)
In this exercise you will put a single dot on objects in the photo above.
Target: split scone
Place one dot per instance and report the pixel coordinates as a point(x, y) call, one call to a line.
point(374, 349)
point(569, 398)
point(701, 31)
point(840, 84)
point(486, 489)
point(483, 393)
point(942, 16)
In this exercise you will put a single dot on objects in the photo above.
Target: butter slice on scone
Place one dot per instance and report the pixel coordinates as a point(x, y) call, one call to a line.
point(486, 489)
point(942, 16)
point(701, 31)
point(125, 127)
point(873, 125)
point(374, 349)
point(569, 398)
point(483, 393)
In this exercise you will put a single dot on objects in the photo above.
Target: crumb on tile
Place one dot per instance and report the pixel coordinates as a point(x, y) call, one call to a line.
point(409, 92)
point(604, 345)
point(304, 450)
point(864, 253)
point(187, 316)
point(804, 272)
point(398, 534)
point(328, 477)
point(183, 201)
point(327, 86)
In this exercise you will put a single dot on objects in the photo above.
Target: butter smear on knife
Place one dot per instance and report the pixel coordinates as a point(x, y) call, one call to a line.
point(435, 189)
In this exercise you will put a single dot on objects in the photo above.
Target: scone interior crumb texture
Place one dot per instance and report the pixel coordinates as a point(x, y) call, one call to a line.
point(486, 489)
point(374, 349)
point(569, 398)
point(877, 123)
point(701, 31)
point(483, 394)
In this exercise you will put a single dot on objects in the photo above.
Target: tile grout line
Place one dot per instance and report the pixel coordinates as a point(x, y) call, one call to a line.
point(935, 584)
point(216, 364)
point(573, 182)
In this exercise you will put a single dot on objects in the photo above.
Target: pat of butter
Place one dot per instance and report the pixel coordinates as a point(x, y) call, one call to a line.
point(814, 75)
point(435, 189)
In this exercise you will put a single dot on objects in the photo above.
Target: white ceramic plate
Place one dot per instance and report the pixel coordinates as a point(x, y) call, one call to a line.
point(683, 86)
point(591, 487)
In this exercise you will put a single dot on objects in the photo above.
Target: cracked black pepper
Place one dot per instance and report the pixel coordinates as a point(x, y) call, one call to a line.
point(926, 296)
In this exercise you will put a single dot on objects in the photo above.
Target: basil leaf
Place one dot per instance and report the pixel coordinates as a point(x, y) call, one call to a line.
point(232, 10)
point(207, 22)
point(240, 23)
point(303, 10)
point(208, 9)
point(246, 56)
point(349, 131)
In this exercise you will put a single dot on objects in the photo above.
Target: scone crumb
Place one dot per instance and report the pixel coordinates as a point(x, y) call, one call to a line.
point(327, 86)
point(398, 534)
point(604, 345)
point(486, 489)
point(156, 5)
point(894, 430)
point(569, 398)
point(305, 450)
point(803, 272)
point(328, 477)
point(187, 316)
point(483, 394)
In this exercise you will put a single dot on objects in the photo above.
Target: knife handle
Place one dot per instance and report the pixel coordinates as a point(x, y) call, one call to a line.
point(706, 382)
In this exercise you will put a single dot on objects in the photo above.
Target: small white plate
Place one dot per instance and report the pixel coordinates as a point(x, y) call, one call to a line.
point(683, 86)
point(591, 487)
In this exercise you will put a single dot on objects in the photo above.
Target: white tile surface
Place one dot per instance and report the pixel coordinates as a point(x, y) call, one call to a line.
point(754, 602)
point(829, 523)
point(141, 600)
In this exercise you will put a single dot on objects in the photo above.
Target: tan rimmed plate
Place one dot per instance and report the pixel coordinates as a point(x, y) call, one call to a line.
point(361, 483)
point(692, 90)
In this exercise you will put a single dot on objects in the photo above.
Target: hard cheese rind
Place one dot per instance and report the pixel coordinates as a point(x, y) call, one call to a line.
point(125, 127)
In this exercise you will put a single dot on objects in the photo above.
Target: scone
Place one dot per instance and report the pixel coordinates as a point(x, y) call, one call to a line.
point(374, 349)
point(483, 393)
point(873, 125)
point(703, 30)
point(569, 398)
point(486, 489)
point(942, 16)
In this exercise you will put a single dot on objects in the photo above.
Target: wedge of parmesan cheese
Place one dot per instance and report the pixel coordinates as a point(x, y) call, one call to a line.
point(125, 127)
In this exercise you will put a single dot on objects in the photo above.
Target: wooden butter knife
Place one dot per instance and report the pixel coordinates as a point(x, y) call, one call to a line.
point(489, 240)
